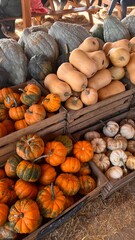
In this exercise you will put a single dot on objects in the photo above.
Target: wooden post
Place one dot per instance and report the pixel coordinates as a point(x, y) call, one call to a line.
point(26, 13)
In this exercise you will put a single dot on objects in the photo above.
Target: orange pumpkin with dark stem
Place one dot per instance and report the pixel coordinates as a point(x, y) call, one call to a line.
point(68, 183)
point(27, 171)
point(51, 201)
point(25, 189)
point(30, 147)
point(7, 192)
point(48, 174)
point(2, 173)
point(4, 92)
point(17, 113)
point(4, 209)
point(9, 125)
point(55, 153)
point(25, 216)
point(3, 112)
point(83, 151)
point(87, 184)
point(11, 165)
point(30, 94)
point(85, 169)
point(70, 165)
point(20, 124)
point(34, 114)
point(12, 100)
point(52, 102)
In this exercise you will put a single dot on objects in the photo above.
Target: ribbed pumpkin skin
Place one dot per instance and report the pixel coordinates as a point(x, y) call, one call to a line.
point(66, 140)
point(2, 173)
point(129, 22)
point(17, 113)
point(7, 192)
point(3, 112)
point(71, 165)
point(25, 189)
point(48, 174)
point(28, 171)
point(83, 151)
point(30, 147)
point(7, 232)
point(4, 209)
point(87, 184)
point(51, 201)
point(31, 94)
point(4, 92)
point(68, 183)
point(114, 30)
point(25, 216)
point(11, 165)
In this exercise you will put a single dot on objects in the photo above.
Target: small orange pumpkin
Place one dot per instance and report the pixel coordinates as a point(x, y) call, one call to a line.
point(11, 165)
point(87, 184)
point(7, 192)
point(17, 113)
point(4, 92)
point(3, 130)
point(2, 173)
point(3, 112)
point(34, 114)
point(9, 125)
point(55, 153)
point(70, 165)
point(20, 124)
point(48, 174)
point(4, 209)
point(25, 189)
point(52, 102)
point(25, 216)
point(83, 151)
point(30, 94)
point(12, 100)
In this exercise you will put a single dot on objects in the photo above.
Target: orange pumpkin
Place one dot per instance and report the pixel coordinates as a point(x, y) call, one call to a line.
point(25, 189)
point(70, 165)
point(55, 153)
point(69, 201)
point(48, 174)
point(20, 124)
point(12, 100)
point(51, 201)
point(68, 183)
point(7, 232)
point(3, 112)
point(11, 165)
point(52, 102)
point(87, 184)
point(9, 125)
point(30, 147)
point(84, 169)
point(7, 192)
point(83, 151)
point(34, 114)
point(25, 216)
point(4, 92)
point(4, 209)
point(17, 113)
point(3, 130)
point(30, 94)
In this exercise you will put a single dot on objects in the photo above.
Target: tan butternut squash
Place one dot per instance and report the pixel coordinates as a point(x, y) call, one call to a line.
point(90, 44)
point(76, 79)
point(99, 57)
point(55, 85)
point(130, 67)
point(82, 62)
point(117, 73)
point(119, 56)
point(101, 79)
point(89, 96)
point(125, 43)
point(132, 42)
point(106, 47)
point(110, 90)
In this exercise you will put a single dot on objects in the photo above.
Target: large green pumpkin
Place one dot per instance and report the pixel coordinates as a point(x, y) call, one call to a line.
point(114, 29)
point(129, 22)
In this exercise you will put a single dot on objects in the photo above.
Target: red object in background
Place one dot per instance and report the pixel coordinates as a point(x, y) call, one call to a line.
point(37, 7)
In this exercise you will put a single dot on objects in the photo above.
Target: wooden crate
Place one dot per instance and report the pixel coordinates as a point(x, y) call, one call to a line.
point(111, 187)
point(48, 125)
point(90, 115)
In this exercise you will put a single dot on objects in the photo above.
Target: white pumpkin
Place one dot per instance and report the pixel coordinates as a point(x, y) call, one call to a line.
point(114, 173)
point(99, 145)
point(111, 128)
point(118, 157)
point(102, 161)
point(127, 131)
point(89, 136)
point(130, 163)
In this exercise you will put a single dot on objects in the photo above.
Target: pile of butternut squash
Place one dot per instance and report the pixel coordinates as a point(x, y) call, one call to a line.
point(93, 72)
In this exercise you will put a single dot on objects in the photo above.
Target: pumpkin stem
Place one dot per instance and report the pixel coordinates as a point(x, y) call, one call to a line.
point(83, 86)
point(52, 191)
point(46, 155)
point(10, 98)
point(28, 141)
point(22, 90)
point(67, 94)
point(124, 167)
point(74, 100)
point(19, 215)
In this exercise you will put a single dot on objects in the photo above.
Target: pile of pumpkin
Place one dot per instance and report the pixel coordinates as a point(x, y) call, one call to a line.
point(114, 148)
point(19, 110)
point(93, 72)
point(40, 180)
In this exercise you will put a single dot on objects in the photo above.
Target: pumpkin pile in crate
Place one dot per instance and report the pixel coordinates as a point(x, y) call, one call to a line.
point(24, 107)
point(93, 73)
point(41, 179)
point(114, 148)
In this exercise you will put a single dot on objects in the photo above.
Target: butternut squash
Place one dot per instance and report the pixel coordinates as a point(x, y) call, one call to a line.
point(117, 73)
point(132, 42)
point(76, 79)
point(90, 44)
point(101, 79)
point(55, 85)
point(89, 96)
point(82, 62)
point(125, 43)
point(110, 90)
point(130, 67)
point(99, 57)
point(119, 56)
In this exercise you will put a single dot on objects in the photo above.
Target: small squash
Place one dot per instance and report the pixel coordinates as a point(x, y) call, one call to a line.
point(118, 142)
point(102, 161)
point(2, 173)
point(3, 112)
point(4, 209)
point(11, 165)
point(30, 94)
point(99, 57)
point(48, 174)
point(130, 163)
point(12, 100)
point(17, 113)
point(90, 44)
point(70, 165)
point(25, 189)
point(20, 124)
point(35, 113)
point(101, 79)
point(52, 102)
point(87, 184)
point(89, 96)
point(117, 73)
point(118, 157)
point(90, 135)
point(4, 92)
point(99, 145)
point(7, 232)
point(7, 191)
point(119, 57)
point(131, 146)
point(111, 128)
point(127, 131)
point(114, 173)
point(83, 150)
